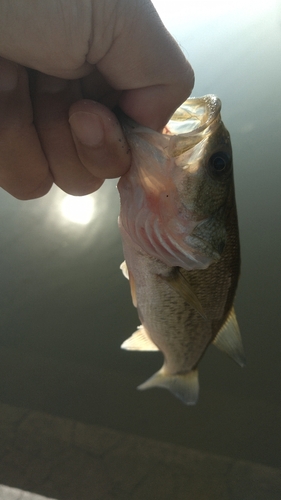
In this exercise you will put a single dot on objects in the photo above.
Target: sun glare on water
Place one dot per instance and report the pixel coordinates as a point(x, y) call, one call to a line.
point(79, 210)
point(187, 14)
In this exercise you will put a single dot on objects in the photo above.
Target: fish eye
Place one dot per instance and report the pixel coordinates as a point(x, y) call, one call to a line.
point(219, 164)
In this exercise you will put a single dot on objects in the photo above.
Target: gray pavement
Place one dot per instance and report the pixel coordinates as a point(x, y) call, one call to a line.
point(67, 460)
point(7, 493)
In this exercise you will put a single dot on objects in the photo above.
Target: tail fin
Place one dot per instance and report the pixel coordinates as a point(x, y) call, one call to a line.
point(185, 386)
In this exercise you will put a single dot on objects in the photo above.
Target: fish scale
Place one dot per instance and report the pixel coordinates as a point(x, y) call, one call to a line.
point(182, 255)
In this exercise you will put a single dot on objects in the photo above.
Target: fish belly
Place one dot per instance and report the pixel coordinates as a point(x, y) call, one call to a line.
point(177, 329)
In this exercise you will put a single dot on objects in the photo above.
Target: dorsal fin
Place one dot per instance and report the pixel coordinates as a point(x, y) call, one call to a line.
point(179, 283)
point(228, 339)
point(139, 341)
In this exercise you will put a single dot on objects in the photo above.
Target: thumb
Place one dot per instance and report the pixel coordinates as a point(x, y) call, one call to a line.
point(99, 140)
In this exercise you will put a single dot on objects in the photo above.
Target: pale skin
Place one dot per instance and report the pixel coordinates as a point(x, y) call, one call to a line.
point(64, 65)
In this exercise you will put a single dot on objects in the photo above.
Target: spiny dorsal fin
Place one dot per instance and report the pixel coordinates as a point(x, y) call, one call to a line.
point(184, 386)
point(229, 339)
point(139, 341)
point(180, 284)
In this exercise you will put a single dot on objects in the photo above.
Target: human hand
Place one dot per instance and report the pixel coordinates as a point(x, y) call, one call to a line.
point(86, 57)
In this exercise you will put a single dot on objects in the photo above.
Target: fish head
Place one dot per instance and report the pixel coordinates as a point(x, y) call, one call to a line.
point(176, 196)
point(203, 172)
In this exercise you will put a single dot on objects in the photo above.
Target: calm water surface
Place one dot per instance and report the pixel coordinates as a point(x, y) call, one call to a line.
point(65, 308)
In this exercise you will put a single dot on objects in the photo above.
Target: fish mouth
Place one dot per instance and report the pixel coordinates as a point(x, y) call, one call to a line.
point(194, 120)
point(194, 115)
point(189, 122)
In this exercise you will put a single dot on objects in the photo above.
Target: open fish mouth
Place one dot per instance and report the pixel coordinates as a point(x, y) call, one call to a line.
point(190, 122)
point(194, 115)
point(196, 119)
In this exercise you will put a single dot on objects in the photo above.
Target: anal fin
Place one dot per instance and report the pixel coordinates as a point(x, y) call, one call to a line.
point(184, 386)
point(139, 341)
point(228, 339)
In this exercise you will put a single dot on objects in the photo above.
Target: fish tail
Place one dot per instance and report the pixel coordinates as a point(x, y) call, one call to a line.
point(184, 386)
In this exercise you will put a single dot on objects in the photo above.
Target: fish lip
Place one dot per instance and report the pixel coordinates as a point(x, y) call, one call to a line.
point(182, 128)
point(186, 121)
point(187, 127)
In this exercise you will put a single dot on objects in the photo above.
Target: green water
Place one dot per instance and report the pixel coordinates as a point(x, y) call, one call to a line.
point(65, 307)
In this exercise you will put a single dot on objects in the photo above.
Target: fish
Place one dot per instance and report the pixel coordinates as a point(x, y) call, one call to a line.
point(179, 228)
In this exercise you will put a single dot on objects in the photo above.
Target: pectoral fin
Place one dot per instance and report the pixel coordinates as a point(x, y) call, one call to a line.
point(209, 236)
point(130, 277)
point(124, 269)
point(229, 339)
point(139, 341)
point(180, 284)
point(184, 386)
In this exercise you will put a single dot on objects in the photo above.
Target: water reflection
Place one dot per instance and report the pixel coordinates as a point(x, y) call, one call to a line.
point(90, 220)
point(62, 294)
point(185, 16)
point(79, 210)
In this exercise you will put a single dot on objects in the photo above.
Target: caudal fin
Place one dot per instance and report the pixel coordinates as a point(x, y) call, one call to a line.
point(185, 387)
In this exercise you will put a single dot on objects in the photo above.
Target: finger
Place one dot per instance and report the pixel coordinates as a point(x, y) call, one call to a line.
point(24, 171)
point(154, 71)
point(95, 87)
point(52, 100)
point(99, 140)
point(51, 37)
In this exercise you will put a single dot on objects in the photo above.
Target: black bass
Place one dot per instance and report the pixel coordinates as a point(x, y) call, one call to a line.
point(179, 229)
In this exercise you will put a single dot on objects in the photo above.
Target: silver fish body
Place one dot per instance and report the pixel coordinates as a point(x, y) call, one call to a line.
point(181, 243)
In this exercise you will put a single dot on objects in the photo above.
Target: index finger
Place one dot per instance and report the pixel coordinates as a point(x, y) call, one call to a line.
point(142, 58)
